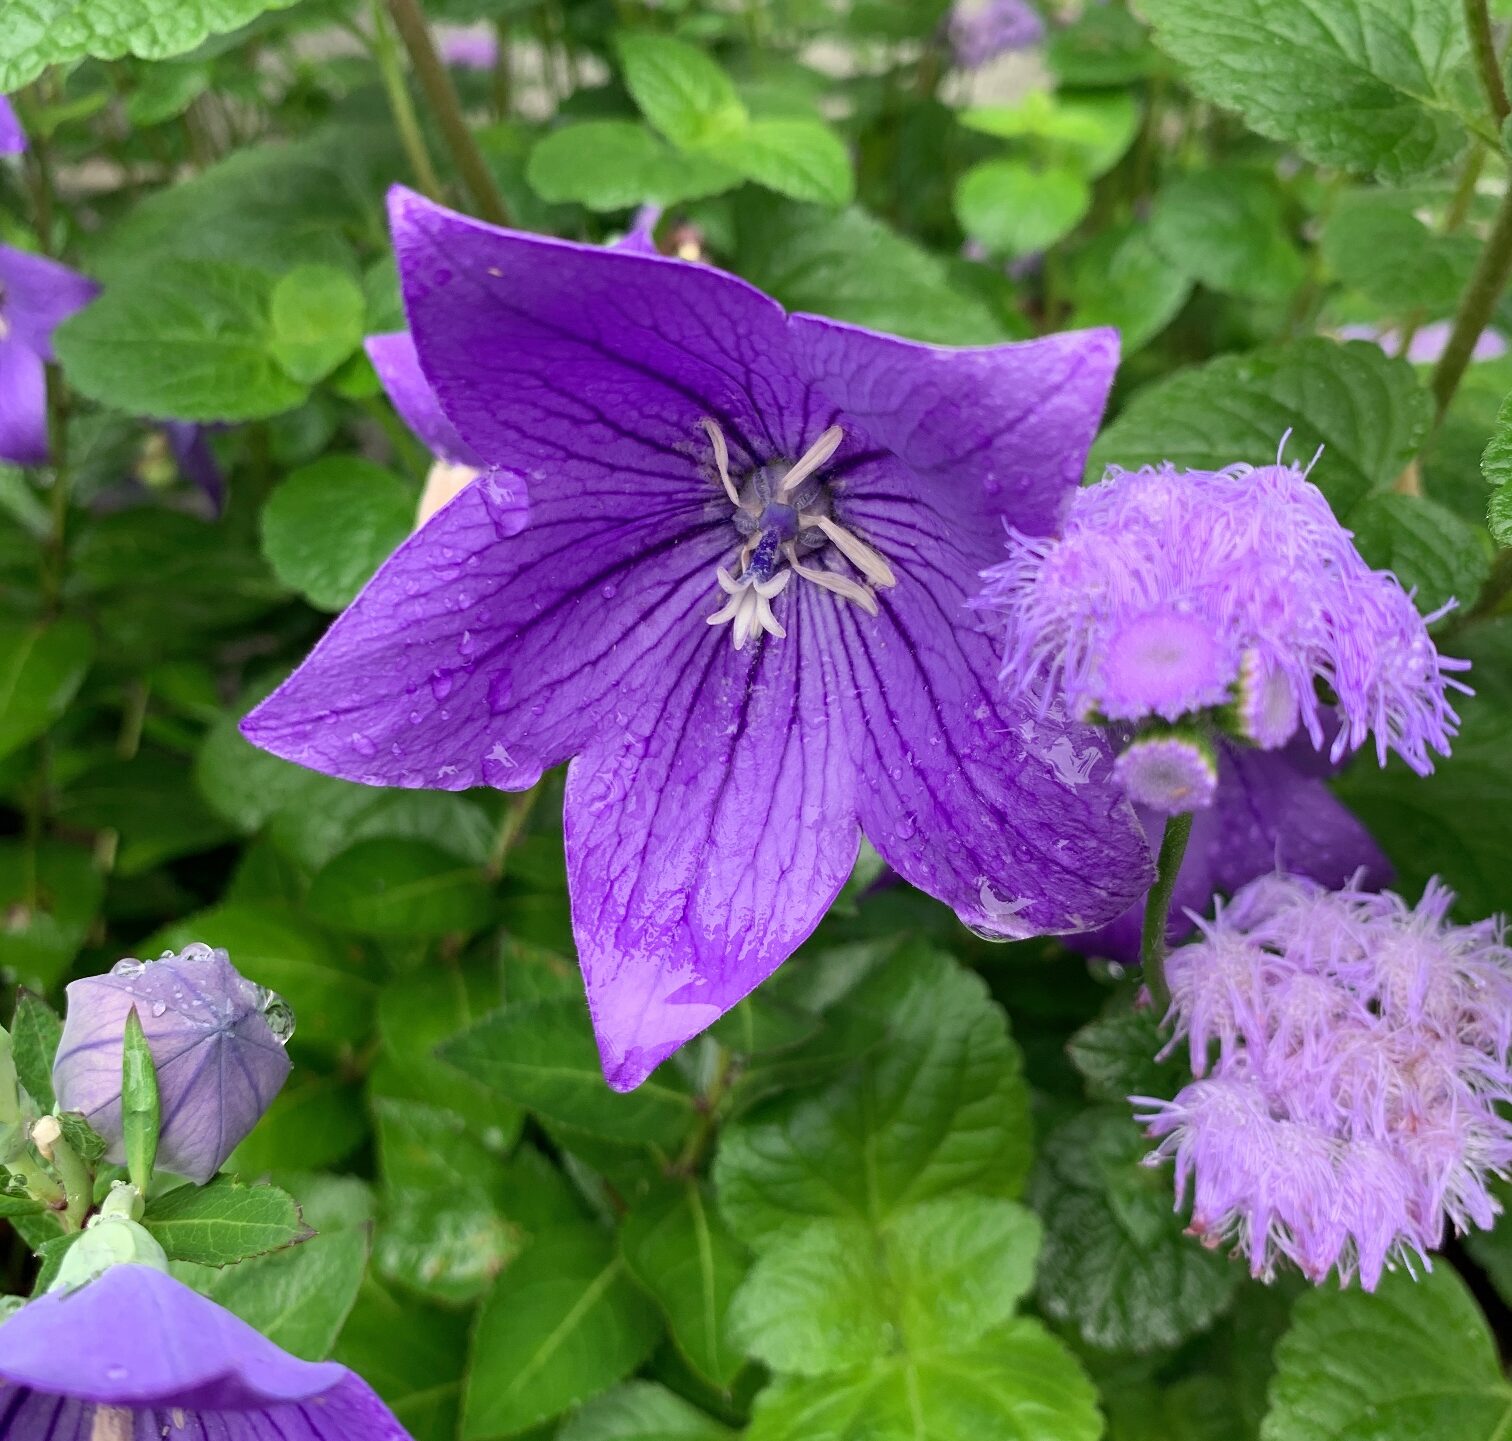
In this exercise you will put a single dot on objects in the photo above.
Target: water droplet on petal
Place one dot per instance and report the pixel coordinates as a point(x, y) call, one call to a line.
point(441, 683)
point(363, 745)
point(467, 645)
point(159, 1007)
point(129, 967)
point(279, 1015)
point(609, 592)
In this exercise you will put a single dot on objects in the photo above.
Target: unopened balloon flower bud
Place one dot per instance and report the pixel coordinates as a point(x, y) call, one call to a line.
point(107, 1241)
point(217, 1042)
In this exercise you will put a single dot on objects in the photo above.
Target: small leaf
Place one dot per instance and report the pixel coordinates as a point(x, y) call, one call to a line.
point(1366, 85)
point(642, 1411)
point(394, 887)
point(192, 341)
point(1093, 130)
point(35, 1033)
point(1017, 209)
point(1496, 466)
point(331, 524)
point(1373, 242)
point(679, 89)
point(801, 158)
point(1416, 1358)
point(1429, 548)
point(316, 314)
point(141, 1111)
point(223, 1222)
point(541, 1055)
point(563, 1324)
point(41, 668)
point(1117, 1056)
point(1120, 279)
point(679, 1249)
point(1227, 229)
point(614, 164)
point(87, 1142)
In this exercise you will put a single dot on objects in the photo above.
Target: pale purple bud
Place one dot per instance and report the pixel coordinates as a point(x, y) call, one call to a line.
point(217, 1041)
point(1168, 773)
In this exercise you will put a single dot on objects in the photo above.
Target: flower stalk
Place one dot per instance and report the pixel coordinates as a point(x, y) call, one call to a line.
point(447, 108)
point(406, 122)
point(1152, 946)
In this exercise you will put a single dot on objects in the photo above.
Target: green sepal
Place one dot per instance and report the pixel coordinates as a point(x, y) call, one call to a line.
point(141, 1111)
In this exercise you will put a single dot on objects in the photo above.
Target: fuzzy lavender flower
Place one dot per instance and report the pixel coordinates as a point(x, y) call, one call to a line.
point(468, 47)
point(217, 1040)
point(1350, 1052)
point(982, 30)
point(12, 136)
point(1226, 598)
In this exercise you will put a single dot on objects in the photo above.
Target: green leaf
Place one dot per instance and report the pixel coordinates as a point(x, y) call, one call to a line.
point(938, 1104)
point(164, 92)
point(1374, 243)
point(804, 159)
point(83, 1137)
point(1092, 130)
point(1105, 46)
point(541, 1055)
point(41, 668)
point(299, 1297)
point(853, 267)
point(39, 33)
point(1499, 515)
point(332, 997)
point(1018, 1383)
point(678, 1248)
point(614, 164)
point(315, 1121)
point(835, 1295)
point(49, 896)
point(330, 525)
point(192, 340)
point(563, 1324)
point(1428, 547)
point(642, 1411)
point(1121, 279)
point(1496, 466)
point(317, 314)
point(682, 92)
point(1416, 1358)
point(1117, 1057)
point(223, 1222)
point(1365, 85)
point(394, 887)
point(412, 1355)
point(35, 1033)
point(1016, 209)
point(1227, 229)
point(1366, 409)
point(1116, 1263)
point(141, 1110)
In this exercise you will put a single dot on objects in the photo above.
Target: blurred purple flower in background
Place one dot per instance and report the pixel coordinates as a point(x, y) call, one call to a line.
point(36, 296)
point(135, 1355)
point(217, 1041)
point(1351, 1056)
point(738, 607)
point(468, 47)
point(982, 30)
point(12, 137)
point(1228, 596)
point(1428, 342)
point(190, 444)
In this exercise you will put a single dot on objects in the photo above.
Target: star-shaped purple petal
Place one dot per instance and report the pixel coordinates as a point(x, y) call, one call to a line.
point(738, 608)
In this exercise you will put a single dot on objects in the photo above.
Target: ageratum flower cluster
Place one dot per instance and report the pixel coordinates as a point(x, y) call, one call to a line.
point(1177, 604)
point(1351, 1054)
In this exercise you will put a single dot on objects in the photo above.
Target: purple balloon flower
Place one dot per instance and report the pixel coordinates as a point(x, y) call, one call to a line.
point(136, 1356)
point(1223, 598)
point(738, 607)
point(217, 1041)
point(468, 47)
point(36, 296)
point(12, 136)
point(1272, 810)
point(981, 30)
point(1353, 1108)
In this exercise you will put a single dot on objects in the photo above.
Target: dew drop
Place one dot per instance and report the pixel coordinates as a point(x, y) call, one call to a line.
point(906, 828)
point(279, 1015)
point(130, 967)
point(159, 1007)
point(363, 745)
point(415, 717)
point(441, 683)
point(467, 645)
point(116, 1373)
point(609, 591)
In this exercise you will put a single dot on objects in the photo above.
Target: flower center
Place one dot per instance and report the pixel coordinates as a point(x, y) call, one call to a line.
point(783, 514)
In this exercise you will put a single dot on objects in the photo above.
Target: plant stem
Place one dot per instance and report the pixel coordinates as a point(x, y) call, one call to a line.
point(1476, 305)
point(78, 1182)
point(447, 108)
point(1478, 23)
point(1152, 946)
point(401, 107)
point(39, 1184)
point(1464, 190)
point(516, 814)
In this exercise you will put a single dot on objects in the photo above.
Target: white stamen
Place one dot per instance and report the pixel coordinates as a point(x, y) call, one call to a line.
point(111, 1423)
point(841, 585)
point(811, 459)
point(749, 606)
point(869, 562)
point(721, 459)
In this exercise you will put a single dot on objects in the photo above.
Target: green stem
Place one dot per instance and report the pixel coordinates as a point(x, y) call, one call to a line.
point(1476, 306)
point(1152, 947)
point(38, 1183)
point(516, 814)
point(78, 1183)
point(401, 107)
point(447, 108)
point(692, 1154)
point(1483, 44)
point(1464, 190)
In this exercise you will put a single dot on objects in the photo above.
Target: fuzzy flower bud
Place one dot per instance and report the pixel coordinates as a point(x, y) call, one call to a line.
point(217, 1041)
point(1351, 1055)
point(1229, 599)
point(107, 1241)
